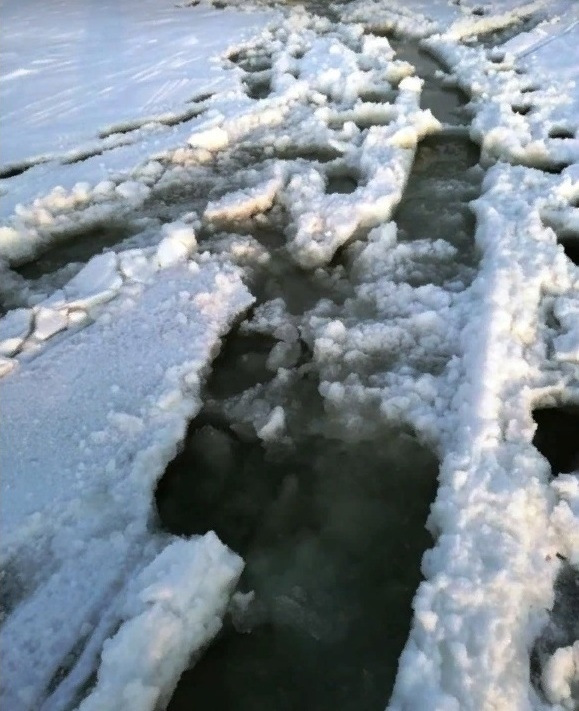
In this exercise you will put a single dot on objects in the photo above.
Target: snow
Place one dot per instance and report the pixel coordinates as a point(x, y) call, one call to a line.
point(99, 438)
point(175, 604)
point(524, 92)
point(560, 675)
point(492, 513)
point(120, 80)
point(138, 59)
point(102, 369)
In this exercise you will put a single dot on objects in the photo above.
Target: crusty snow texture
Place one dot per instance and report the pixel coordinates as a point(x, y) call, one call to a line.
point(102, 362)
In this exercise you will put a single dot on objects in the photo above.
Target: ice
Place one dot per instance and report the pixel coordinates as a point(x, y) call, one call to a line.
point(47, 322)
point(172, 607)
point(98, 281)
point(274, 426)
point(512, 551)
point(561, 677)
point(214, 139)
point(279, 170)
point(178, 244)
point(6, 365)
point(14, 328)
point(147, 83)
point(155, 60)
point(525, 93)
point(115, 429)
point(242, 204)
point(567, 345)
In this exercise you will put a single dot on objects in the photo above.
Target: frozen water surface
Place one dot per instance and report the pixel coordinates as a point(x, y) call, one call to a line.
point(298, 287)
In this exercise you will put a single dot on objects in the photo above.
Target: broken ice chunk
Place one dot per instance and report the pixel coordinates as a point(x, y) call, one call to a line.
point(284, 355)
point(246, 612)
point(171, 610)
point(567, 344)
point(560, 677)
point(97, 282)
point(178, 244)
point(242, 204)
point(6, 365)
point(14, 328)
point(213, 139)
point(48, 322)
point(275, 425)
point(133, 192)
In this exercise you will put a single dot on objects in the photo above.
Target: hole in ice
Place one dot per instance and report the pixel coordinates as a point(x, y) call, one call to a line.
point(337, 121)
point(319, 153)
point(341, 183)
point(446, 103)
point(11, 171)
point(67, 665)
point(241, 364)
point(251, 60)
point(387, 31)
point(378, 95)
point(76, 247)
point(332, 534)
point(218, 482)
point(268, 228)
point(521, 109)
point(562, 630)
point(257, 89)
point(169, 119)
point(566, 237)
point(16, 583)
point(198, 98)
point(571, 247)
point(556, 437)
point(478, 11)
point(444, 179)
point(81, 156)
point(301, 290)
point(278, 275)
point(554, 167)
point(270, 237)
point(179, 117)
point(561, 132)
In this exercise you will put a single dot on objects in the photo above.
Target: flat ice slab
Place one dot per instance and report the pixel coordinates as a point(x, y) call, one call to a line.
point(70, 69)
point(93, 421)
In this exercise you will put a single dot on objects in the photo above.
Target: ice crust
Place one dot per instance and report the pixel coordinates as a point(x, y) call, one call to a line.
point(524, 92)
point(111, 401)
point(101, 375)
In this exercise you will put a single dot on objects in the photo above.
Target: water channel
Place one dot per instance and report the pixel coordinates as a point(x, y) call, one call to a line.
point(332, 532)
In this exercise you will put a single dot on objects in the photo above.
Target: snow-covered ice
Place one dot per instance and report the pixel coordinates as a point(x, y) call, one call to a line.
point(199, 131)
point(93, 421)
point(104, 68)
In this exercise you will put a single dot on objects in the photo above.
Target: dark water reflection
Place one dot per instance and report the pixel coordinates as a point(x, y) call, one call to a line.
point(333, 535)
